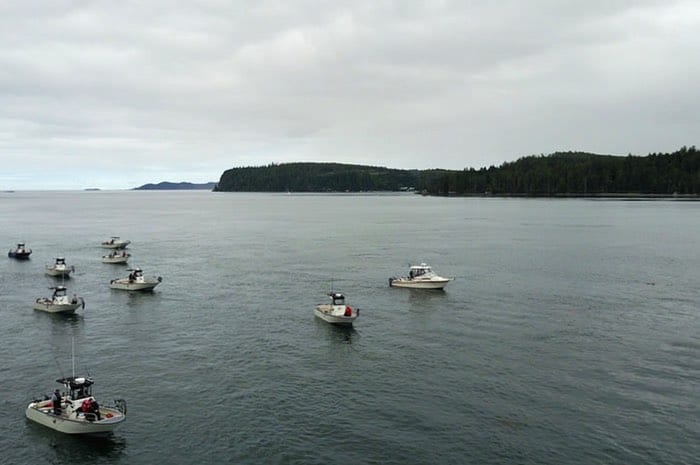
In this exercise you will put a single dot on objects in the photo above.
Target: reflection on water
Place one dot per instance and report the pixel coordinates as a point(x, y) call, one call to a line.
point(66, 448)
point(137, 298)
point(338, 333)
point(425, 296)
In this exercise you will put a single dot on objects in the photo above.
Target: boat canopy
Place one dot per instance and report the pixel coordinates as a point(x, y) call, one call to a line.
point(419, 270)
point(338, 298)
point(80, 387)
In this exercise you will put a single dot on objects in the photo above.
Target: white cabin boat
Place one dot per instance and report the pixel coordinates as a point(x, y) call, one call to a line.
point(135, 282)
point(337, 312)
point(59, 268)
point(59, 302)
point(115, 242)
point(116, 256)
point(76, 411)
point(420, 277)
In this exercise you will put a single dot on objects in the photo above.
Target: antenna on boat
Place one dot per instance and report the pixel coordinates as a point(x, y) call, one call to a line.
point(72, 354)
point(58, 365)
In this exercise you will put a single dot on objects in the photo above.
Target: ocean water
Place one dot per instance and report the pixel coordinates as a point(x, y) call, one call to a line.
point(569, 335)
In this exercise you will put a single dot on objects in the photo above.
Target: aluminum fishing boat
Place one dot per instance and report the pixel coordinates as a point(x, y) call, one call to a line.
point(116, 256)
point(75, 410)
point(59, 268)
point(59, 302)
point(337, 312)
point(115, 242)
point(135, 282)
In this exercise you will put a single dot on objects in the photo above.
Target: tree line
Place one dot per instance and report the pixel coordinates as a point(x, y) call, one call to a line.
point(580, 173)
point(323, 177)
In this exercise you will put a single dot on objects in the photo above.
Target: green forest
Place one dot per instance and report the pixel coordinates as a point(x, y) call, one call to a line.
point(324, 177)
point(558, 174)
point(579, 173)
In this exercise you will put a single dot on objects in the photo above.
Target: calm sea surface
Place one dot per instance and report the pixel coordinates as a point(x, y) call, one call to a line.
point(570, 334)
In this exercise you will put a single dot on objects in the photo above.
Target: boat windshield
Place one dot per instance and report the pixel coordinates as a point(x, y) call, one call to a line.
point(79, 387)
point(420, 271)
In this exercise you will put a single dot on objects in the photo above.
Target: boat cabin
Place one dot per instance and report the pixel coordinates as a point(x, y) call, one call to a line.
point(136, 273)
point(60, 261)
point(419, 270)
point(58, 291)
point(337, 298)
point(78, 387)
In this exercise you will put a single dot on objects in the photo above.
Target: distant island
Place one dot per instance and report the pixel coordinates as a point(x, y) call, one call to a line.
point(560, 174)
point(165, 185)
point(324, 177)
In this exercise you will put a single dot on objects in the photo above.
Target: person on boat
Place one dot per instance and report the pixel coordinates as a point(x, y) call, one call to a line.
point(132, 276)
point(56, 401)
point(95, 408)
point(74, 299)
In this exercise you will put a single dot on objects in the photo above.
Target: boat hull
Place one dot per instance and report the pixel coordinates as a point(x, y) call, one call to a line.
point(115, 245)
point(333, 315)
point(124, 285)
point(58, 273)
point(56, 308)
point(19, 255)
point(42, 413)
point(419, 284)
point(115, 259)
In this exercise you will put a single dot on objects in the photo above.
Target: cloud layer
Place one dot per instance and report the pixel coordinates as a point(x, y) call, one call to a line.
point(167, 90)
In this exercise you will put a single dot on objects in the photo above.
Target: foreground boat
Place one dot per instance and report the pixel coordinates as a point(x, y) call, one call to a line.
point(59, 302)
point(116, 257)
point(135, 282)
point(59, 268)
point(115, 242)
point(76, 411)
point(20, 252)
point(420, 277)
point(337, 312)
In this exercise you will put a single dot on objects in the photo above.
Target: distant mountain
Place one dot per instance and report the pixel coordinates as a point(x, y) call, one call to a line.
point(165, 185)
point(324, 177)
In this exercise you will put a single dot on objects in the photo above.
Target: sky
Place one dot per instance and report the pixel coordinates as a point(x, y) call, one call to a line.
point(112, 95)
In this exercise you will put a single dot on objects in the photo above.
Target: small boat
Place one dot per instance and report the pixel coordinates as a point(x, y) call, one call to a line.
point(76, 411)
point(420, 277)
point(337, 312)
point(135, 282)
point(59, 302)
point(59, 268)
point(20, 252)
point(115, 242)
point(116, 256)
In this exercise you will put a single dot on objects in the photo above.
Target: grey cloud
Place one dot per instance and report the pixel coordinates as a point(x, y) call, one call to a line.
point(199, 87)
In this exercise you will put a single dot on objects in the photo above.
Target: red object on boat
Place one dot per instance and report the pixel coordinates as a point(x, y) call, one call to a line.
point(348, 311)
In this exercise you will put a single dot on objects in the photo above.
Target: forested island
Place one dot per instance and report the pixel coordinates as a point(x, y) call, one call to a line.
point(580, 174)
point(558, 174)
point(324, 177)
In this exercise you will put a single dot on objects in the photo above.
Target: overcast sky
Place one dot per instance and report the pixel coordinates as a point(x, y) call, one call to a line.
point(114, 94)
